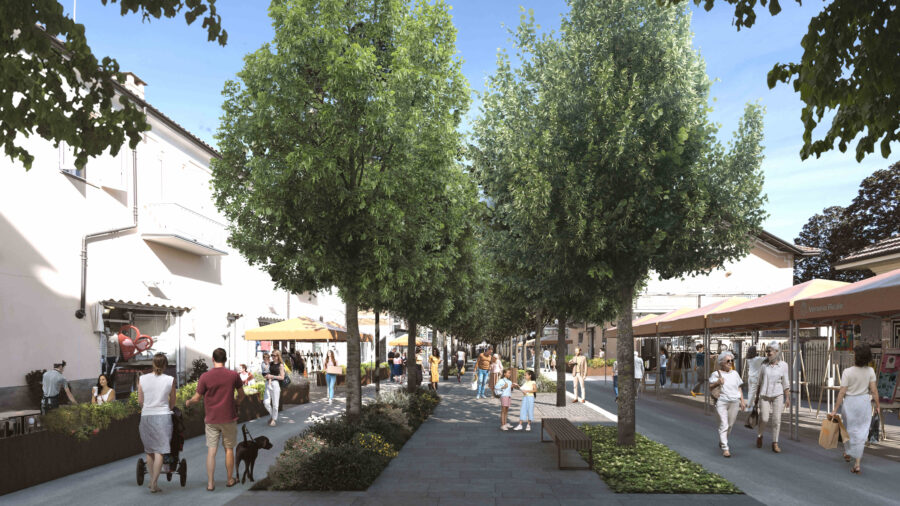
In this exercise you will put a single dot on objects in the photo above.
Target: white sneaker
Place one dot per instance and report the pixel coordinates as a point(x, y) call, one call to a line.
point(518, 427)
point(509, 426)
point(528, 429)
point(504, 427)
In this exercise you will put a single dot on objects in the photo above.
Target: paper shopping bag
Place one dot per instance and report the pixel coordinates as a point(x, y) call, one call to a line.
point(830, 432)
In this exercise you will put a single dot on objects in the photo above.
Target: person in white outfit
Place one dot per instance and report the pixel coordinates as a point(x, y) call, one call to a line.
point(730, 397)
point(754, 363)
point(273, 387)
point(858, 390)
point(156, 396)
point(638, 373)
point(774, 394)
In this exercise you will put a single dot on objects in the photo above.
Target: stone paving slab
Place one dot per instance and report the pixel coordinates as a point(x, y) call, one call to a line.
point(460, 456)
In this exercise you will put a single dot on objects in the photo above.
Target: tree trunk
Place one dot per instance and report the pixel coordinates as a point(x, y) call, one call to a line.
point(625, 357)
point(353, 384)
point(411, 370)
point(377, 354)
point(561, 349)
point(446, 348)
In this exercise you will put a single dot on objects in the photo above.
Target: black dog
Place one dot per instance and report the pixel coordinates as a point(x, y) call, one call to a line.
point(246, 452)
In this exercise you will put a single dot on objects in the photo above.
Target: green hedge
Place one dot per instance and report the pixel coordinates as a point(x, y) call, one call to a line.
point(337, 454)
point(649, 467)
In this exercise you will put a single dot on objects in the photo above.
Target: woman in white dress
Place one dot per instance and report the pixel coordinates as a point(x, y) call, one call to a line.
point(102, 392)
point(857, 393)
point(731, 398)
point(774, 394)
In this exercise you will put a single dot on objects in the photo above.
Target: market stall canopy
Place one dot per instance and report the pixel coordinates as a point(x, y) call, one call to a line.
point(648, 327)
point(297, 329)
point(404, 341)
point(363, 337)
point(694, 321)
point(544, 342)
point(879, 296)
point(770, 311)
point(613, 332)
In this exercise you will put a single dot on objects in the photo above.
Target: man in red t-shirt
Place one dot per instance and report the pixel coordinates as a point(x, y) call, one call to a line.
point(217, 387)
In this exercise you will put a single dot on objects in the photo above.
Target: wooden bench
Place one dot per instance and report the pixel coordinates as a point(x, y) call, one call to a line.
point(566, 436)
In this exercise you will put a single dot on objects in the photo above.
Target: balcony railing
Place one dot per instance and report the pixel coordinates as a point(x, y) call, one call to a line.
point(179, 227)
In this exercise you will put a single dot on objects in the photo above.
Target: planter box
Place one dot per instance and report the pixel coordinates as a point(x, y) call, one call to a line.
point(31, 459)
point(295, 393)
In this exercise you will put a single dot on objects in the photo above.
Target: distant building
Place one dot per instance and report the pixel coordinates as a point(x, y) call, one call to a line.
point(881, 257)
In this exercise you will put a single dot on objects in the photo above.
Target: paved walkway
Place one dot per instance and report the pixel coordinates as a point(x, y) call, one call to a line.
point(459, 456)
point(803, 473)
point(115, 483)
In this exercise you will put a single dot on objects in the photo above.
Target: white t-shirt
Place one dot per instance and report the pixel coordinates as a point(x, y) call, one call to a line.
point(731, 389)
point(753, 365)
point(156, 394)
point(460, 355)
point(663, 360)
point(857, 379)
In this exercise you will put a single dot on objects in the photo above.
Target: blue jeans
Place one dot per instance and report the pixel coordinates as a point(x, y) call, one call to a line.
point(526, 413)
point(331, 379)
point(662, 376)
point(482, 379)
point(616, 385)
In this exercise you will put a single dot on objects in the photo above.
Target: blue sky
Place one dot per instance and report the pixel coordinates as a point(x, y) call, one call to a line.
point(185, 75)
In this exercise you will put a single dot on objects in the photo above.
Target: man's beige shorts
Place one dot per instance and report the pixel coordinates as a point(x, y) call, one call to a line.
point(228, 431)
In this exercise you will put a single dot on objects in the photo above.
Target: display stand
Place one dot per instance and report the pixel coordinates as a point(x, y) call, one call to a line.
point(804, 385)
point(832, 374)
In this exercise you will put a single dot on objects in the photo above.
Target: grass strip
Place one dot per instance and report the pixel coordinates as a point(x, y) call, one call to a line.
point(649, 467)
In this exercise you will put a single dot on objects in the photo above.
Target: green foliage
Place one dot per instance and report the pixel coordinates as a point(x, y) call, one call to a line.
point(848, 71)
point(344, 467)
point(47, 77)
point(596, 362)
point(374, 443)
point(288, 471)
point(198, 367)
point(84, 420)
point(334, 431)
point(649, 467)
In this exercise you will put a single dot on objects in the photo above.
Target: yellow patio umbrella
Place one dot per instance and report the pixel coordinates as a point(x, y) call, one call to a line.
point(404, 341)
point(298, 329)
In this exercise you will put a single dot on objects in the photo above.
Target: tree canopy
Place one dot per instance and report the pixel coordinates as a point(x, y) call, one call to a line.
point(338, 144)
point(872, 216)
point(600, 160)
point(849, 70)
point(52, 84)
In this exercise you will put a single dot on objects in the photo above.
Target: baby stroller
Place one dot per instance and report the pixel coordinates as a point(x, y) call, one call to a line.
point(171, 464)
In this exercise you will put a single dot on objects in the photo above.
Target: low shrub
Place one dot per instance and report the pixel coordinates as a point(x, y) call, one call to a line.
point(198, 367)
point(84, 420)
point(649, 467)
point(393, 432)
point(345, 467)
point(596, 362)
point(375, 443)
point(34, 380)
point(334, 431)
point(421, 405)
point(288, 471)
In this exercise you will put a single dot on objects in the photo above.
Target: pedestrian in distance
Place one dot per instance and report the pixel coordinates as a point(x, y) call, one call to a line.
point(774, 394)
point(496, 370)
point(102, 393)
point(272, 397)
point(754, 363)
point(504, 388)
point(526, 413)
point(699, 370)
point(553, 361)
point(731, 397)
point(397, 367)
point(217, 387)
point(858, 390)
point(638, 374)
point(245, 375)
point(330, 378)
point(156, 397)
point(483, 368)
point(616, 378)
point(53, 384)
point(434, 361)
point(579, 371)
point(663, 362)
point(390, 360)
point(460, 365)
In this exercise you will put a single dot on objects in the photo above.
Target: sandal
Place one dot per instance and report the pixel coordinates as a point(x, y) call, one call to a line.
point(231, 482)
point(726, 454)
point(847, 458)
point(855, 470)
point(211, 489)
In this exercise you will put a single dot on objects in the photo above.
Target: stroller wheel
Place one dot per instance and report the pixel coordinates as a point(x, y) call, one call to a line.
point(182, 471)
point(168, 476)
point(141, 470)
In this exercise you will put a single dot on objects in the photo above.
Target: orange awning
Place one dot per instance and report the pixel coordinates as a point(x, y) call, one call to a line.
point(404, 341)
point(648, 327)
point(879, 296)
point(694, 321)
point(770, 311)
point(613, 332)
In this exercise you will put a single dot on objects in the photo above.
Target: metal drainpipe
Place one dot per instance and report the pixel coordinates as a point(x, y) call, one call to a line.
point(80, 312)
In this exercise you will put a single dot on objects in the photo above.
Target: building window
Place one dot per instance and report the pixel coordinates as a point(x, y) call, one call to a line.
point(580, 337)
point(67, 161)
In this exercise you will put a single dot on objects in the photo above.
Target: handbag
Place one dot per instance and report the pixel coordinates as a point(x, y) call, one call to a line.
point(334, 369)
point(715, 390)
point(286, 381)
point(874, 429)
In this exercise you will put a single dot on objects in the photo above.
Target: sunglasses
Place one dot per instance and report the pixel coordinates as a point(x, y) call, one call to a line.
point(770, 351)
point(729, 361)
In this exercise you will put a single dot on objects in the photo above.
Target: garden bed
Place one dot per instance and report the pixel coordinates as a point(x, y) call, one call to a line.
point(340, 454)
point(649, 467)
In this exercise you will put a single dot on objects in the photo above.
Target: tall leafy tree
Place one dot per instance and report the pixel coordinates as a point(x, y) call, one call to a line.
point(618, 171)
point(872, 216)
point(334, 135)
point(52, 84)
point(850, 65)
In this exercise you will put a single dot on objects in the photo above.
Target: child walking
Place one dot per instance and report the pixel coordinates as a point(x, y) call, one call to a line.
point(526, 414)
point(503, 388)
